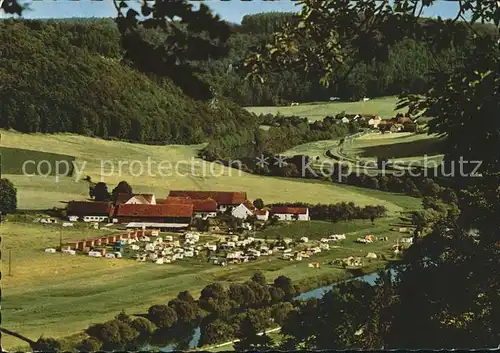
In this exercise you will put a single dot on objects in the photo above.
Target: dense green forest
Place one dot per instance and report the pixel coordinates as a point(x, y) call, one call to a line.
point(69, 76)
point(407, 68)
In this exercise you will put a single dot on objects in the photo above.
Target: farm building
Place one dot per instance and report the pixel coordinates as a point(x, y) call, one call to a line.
point(241, 211)
point(170, 216)
point(374, 122)
point(202, 208)
point(224, 199)
point(262, 215)
point(136, 199)
point(89, 211)
point(285, 213)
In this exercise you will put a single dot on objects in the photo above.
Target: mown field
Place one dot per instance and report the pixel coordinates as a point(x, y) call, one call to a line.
point(383, 106)
point(59, 295)
point(20, 161)
point(403, 147)
point(101, 159)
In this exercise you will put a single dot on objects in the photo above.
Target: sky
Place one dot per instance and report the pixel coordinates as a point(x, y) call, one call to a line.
point(230, 10)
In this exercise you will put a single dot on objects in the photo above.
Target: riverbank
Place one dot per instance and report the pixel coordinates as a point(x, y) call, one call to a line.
point(305, 294)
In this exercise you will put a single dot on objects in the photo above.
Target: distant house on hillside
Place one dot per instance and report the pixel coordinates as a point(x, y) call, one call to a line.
point(285, 213)
point(165, 216)
point(374, 122)
point(224, 199)
point(89, 211)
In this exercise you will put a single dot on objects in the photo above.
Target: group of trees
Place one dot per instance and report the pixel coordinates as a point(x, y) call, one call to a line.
point(416, 186)
point(77, 81)
point(340, 211)
point(8, 197)
point(281, 134)
point(241, 310)
point(99, 191)
point(445, 293)
point(407, 67)
point(244, 310)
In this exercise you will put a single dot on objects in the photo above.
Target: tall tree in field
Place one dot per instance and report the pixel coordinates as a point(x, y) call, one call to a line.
point(122, 188)
point(99, 192)
point(8, 197)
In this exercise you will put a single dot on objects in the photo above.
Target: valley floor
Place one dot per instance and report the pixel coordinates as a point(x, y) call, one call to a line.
point(57, 295)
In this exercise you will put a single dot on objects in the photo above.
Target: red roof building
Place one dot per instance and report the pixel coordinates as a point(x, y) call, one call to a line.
point(290, 210)
point(206, 205)
point(89, 208)
point(223, 198)
point(175, 200)
point(285, 213)
point(164, 213)
point(261, 212)
point(249, 205)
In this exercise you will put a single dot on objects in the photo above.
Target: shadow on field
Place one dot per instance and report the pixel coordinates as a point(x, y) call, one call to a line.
point(405, 149)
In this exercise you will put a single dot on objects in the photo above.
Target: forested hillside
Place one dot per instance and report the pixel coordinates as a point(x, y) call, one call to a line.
point(67, 76)
point(407, 68)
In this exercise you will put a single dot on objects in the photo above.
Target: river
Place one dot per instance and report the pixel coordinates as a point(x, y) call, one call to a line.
point(314, 293)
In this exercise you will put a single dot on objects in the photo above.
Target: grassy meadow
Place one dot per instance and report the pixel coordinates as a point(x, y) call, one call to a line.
point(59, 295)
point(12, 162)
point(100, 159)
point(383, 106)
point(402, 147)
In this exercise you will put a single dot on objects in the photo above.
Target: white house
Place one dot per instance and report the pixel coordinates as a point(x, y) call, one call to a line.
point(344, 120)
point(304, 239)
point(241, 211)
point(262, 215)
point(285, 213)
point(374, 122)
point(142, 199)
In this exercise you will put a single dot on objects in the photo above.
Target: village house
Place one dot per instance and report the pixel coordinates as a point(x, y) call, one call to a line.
point(224, 199)
point(262, 215)
point(243, 210)
point(374, 122)
point(285, 213)
point(136, 199)
point(89, 211)
point(170, 216)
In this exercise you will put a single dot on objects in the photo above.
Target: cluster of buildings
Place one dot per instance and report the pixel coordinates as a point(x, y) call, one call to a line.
point(178, 210)
point(400, 123)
